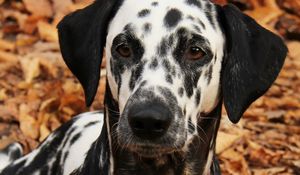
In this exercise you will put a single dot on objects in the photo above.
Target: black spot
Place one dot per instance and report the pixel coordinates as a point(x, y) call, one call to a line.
point(153, 64)
point(197, 28)
point(166, 65)
point(180, 91)
point(172, 18)
point(66, 156)
point(55, 169)
point(129, 28)
point(178, 52)
point(90, 124)
point(208, 14)
point(173, 71)
point(197, 97)
point(190, 81)
point(163, 47)
point(191, 18)
point(188, 85)
point(135, 75)
point(195, 3)
point(144, 13)
point(208, 7)
point(154, 3)
point(169, 79)
point(117, 69)
point(208, 74)
point(191, 126)
point(143, 83)
point(170, 96)
point(75, 138)
point(184, 111)
point(171, 101)
point(210, 18)
point(201, 24)
point(147, 27)
point(171, 40)
point(215, 59)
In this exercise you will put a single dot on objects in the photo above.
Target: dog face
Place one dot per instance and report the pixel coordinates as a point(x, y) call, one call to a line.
point(169, 63)
point(164, 54)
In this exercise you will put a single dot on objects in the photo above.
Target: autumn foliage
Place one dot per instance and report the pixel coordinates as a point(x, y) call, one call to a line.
point(38, 93)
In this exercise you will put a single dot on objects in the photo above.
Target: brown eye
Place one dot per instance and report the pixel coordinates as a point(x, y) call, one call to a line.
point(124, 50)
point(194, 53)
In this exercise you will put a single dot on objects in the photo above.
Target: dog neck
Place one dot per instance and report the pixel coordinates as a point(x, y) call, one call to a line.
point(198, 157)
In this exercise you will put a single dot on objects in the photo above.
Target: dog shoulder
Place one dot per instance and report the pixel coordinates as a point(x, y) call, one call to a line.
point(64, 150)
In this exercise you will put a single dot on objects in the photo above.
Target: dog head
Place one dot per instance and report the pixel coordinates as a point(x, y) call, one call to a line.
point(169, 63)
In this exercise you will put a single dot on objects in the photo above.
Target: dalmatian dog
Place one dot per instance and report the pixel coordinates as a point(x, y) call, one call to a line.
point(171, 64)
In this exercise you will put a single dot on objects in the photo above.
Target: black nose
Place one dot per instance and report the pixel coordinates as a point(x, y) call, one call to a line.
point(148, 120)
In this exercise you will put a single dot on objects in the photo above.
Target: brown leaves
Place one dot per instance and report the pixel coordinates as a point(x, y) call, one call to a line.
point(28, 124)
point(37, 91)
point(289, 26)
point(39, 8)
point(291, 6)
point(47, 32)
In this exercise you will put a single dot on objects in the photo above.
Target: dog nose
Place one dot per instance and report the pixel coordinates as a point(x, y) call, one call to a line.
point(149, 121)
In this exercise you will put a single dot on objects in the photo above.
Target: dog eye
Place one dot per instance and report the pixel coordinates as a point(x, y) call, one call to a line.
point(194, 53)
point(124, 50)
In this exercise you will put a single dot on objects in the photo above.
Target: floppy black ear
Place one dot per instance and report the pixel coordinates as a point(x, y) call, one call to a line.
point(253, 60)
point(82, 37)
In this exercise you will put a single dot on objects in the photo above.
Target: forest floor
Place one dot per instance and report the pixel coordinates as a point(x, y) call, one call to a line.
point(38, 93)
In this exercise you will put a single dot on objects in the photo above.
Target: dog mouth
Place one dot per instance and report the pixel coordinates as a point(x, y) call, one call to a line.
point(147, 151)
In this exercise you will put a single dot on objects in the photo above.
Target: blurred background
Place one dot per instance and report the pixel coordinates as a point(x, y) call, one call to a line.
point(38, 93)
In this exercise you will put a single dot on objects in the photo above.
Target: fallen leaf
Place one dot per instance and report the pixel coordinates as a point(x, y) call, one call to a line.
point(3, 94)
point(44, 132)
point(30, 67)
point(294, 49)
point(225, 140)
point(8, 57)
point(39, 8)
point(47, 32)
point(28, 124)
point(25, 40)
point(6, 45)
point(62, 7)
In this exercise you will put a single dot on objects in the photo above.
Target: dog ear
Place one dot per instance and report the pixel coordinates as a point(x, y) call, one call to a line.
point(253, 60)
point(82, 36)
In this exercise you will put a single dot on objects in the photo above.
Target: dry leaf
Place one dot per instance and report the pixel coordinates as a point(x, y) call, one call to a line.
point(47, 32)
point(31, 68)
point(225, 140)
point(62, 7)
point(39, 8)
point(268, 171)
point(8, 57)
point(292, 6)
point(28, 124)
point(25, 40)
point(3, 94)
point(294, 49)
point(6, 45)
point(236, 163)
point(44, 132)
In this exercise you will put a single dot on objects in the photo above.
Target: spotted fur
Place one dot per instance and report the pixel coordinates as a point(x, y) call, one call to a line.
point(155, 77)
point(63, 151)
